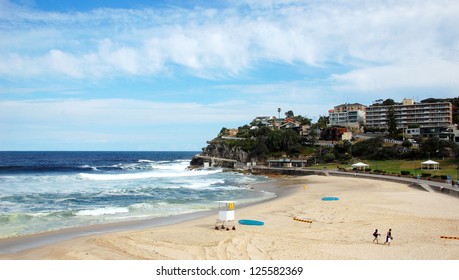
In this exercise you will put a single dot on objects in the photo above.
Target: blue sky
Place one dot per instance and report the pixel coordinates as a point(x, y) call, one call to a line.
point(168, 75)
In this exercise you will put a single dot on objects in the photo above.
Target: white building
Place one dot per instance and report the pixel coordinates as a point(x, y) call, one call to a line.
point(348, 115)
point(430, 117)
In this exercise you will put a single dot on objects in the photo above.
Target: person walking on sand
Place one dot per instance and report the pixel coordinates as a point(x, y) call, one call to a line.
point(376, 235)
point(388, 237)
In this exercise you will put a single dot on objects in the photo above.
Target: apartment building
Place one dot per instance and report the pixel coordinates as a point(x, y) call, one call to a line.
point(348, 115)
point(432, 118)
point(348, 107)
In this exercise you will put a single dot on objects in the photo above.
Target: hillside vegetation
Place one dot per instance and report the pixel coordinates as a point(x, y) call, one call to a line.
point(264, 142)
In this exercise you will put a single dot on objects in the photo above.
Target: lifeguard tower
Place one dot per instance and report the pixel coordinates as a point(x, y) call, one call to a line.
point(225, 215)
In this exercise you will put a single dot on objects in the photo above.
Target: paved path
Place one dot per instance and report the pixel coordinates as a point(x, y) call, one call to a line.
point(425, 184)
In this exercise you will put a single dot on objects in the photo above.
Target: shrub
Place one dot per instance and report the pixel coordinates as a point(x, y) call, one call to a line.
point(407, 144)
point(329, 157)
point(405, 172)
point(426, 174)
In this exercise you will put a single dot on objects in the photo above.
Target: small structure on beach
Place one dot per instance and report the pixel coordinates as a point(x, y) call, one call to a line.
point(360, 165)
point(225, 215)
point(430, 164)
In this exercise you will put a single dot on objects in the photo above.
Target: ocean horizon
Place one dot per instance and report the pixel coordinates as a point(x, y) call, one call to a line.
point(43, 191)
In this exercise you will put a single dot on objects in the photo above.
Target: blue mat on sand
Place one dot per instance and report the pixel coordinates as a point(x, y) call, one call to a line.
point(251, 222)
point(329, 198)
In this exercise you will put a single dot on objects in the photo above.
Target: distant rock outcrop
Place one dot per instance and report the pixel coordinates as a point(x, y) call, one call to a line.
point(220, 149)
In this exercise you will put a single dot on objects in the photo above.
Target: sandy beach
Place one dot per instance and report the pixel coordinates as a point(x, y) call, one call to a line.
point(340, 230)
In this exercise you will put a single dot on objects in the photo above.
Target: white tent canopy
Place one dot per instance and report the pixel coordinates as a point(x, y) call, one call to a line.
point(430, 164)
point(360, 165)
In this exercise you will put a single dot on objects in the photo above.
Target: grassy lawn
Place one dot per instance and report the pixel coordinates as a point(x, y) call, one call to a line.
point(447, 166)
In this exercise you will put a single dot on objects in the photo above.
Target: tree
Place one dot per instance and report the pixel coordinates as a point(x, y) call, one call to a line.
point(223, 131)
point(434, 147)
point(274, 141)
point(342, 150)
point(384, 153)
point(391, 122)
point(278, 111)
point(260, 132)
point(343, 147)
point(431, 100)
point(455, 101)
point(407, 144)
point(388, 102)
point(367, 147)
point(329, 157)
point(289, 138)
point(289, 114)
point(377, 102)
point(243, 131)
point(302, 120)
point(323, 121)
point(259, 149)
point(313, 135)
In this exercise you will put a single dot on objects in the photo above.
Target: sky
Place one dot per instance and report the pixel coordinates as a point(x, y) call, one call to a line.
point(168, 75)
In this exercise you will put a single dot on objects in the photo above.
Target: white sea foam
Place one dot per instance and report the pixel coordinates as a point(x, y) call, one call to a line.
point(199, 184)
point(146, 160)
point(39, 214)
point(177, 167)
point(174, 165)
point(145, 175)
point(142, 206)
point(127, 166)
point(89, 166)
point(145, 164)
point(103, 211)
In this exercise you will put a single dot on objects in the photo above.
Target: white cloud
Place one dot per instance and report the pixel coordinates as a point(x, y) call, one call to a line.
point(204, 42)
point(116, 112)
point(417, 75)
point(65, 63)
point(378, 46)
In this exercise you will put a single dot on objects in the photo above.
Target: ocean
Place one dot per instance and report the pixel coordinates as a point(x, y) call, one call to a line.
point(45, 191)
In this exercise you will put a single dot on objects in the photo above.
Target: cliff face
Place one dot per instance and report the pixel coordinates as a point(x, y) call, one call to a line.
point(220, 149)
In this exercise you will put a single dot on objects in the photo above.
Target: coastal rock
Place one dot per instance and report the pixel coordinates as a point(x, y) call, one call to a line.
point(219, 149)
point(196, 162)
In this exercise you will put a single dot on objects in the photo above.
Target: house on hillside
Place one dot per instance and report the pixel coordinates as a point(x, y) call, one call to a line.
point(333, 133)
point(290, 123)
point(305, 130)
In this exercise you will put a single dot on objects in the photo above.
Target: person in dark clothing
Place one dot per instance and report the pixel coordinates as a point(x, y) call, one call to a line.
point(376, 235)
point(388, 237)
